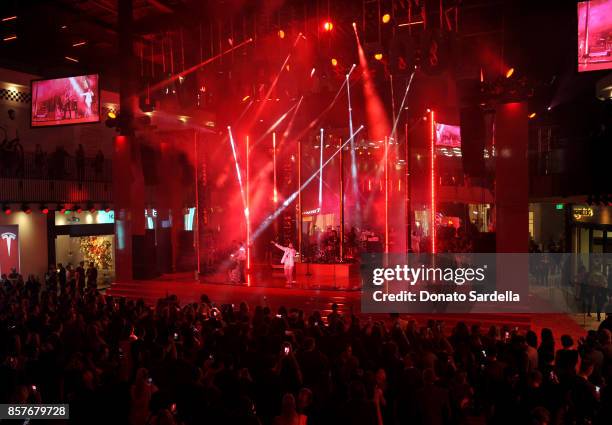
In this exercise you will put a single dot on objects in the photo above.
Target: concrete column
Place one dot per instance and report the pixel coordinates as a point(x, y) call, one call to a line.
point(511, 178)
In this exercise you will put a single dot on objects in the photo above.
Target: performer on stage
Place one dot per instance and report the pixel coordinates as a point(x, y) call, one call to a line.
point(88, 94)
point(288, 261)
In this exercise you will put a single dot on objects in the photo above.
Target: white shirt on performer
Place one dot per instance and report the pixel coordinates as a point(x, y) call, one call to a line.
point(288, 257)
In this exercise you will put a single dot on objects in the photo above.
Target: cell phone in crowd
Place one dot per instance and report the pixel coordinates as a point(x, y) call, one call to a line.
point(176, 336)
point(286, 348)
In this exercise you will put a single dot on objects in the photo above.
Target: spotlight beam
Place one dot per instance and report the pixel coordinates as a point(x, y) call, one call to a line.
point(238, 174)
point(275, 125)
point(354, 184)
point(275, 81)
point(194, 68)
point(294, 195)
point(403, 102)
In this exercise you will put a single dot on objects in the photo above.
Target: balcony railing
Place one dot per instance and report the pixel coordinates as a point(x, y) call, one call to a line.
point(56, 177)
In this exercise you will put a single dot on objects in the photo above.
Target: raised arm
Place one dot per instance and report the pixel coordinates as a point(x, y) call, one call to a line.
point(282, 248)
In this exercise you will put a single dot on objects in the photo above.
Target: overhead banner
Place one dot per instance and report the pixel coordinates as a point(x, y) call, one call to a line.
point(9, 249)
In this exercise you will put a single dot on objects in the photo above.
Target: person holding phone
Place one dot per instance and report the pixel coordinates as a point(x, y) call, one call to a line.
point(288, 261)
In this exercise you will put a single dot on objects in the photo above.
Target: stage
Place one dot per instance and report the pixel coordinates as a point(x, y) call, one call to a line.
point(307, 295)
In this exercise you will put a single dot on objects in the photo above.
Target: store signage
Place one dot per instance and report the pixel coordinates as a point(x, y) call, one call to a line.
point(312, 212)
point(580, 212)
point(9, 249)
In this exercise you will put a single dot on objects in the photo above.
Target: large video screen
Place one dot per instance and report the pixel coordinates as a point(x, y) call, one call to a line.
point(448, 135)
point(594, 35)
point(61, 101)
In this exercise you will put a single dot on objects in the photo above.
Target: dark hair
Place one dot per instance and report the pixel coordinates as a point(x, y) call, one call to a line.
point(567, 341)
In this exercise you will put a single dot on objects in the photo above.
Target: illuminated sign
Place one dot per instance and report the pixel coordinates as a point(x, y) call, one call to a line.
point(312, 212)
point(580, 212)
point(9, 249)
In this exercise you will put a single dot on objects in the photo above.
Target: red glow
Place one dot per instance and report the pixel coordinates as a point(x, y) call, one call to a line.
point(386, 195)
point(432, 145)
point(195, 67)
point(274, 192)
point(45, 211)
point(248, 208)
point(7, 211)
point(328, 26)
point(378, 124)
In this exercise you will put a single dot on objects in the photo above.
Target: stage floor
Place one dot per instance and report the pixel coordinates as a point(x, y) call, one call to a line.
point(306, 296)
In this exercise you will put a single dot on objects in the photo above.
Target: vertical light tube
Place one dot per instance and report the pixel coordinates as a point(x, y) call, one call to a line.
point(248, 208)
point(407, 188)
point(321, 173)
point(432, 166)
point(275, 192)
point(341, 206)
point(299, 204)
point(196, 233)
point(386, 194)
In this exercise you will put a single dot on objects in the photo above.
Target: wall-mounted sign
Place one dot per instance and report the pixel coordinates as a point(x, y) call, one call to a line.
point(580, 212)
point(9, 249)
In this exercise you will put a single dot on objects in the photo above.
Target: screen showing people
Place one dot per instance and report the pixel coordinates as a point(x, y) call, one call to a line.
point(448, 135)
point(594, 35)
point(60, 101)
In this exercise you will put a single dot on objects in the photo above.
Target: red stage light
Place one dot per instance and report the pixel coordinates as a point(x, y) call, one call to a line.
point(328, 26)
point(509, 72)
point(432, 140)
point(386, 18)
point(7, 209)
point(378, 56)
point(334, 62)
point(281, 34)
point(45, 210)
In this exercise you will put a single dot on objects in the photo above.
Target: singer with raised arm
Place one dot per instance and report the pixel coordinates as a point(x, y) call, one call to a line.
point(288, 261)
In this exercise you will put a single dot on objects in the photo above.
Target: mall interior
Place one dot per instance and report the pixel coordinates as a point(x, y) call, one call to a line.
point(193, 193)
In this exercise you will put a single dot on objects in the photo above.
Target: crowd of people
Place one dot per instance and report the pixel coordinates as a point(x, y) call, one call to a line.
point(125, 362)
